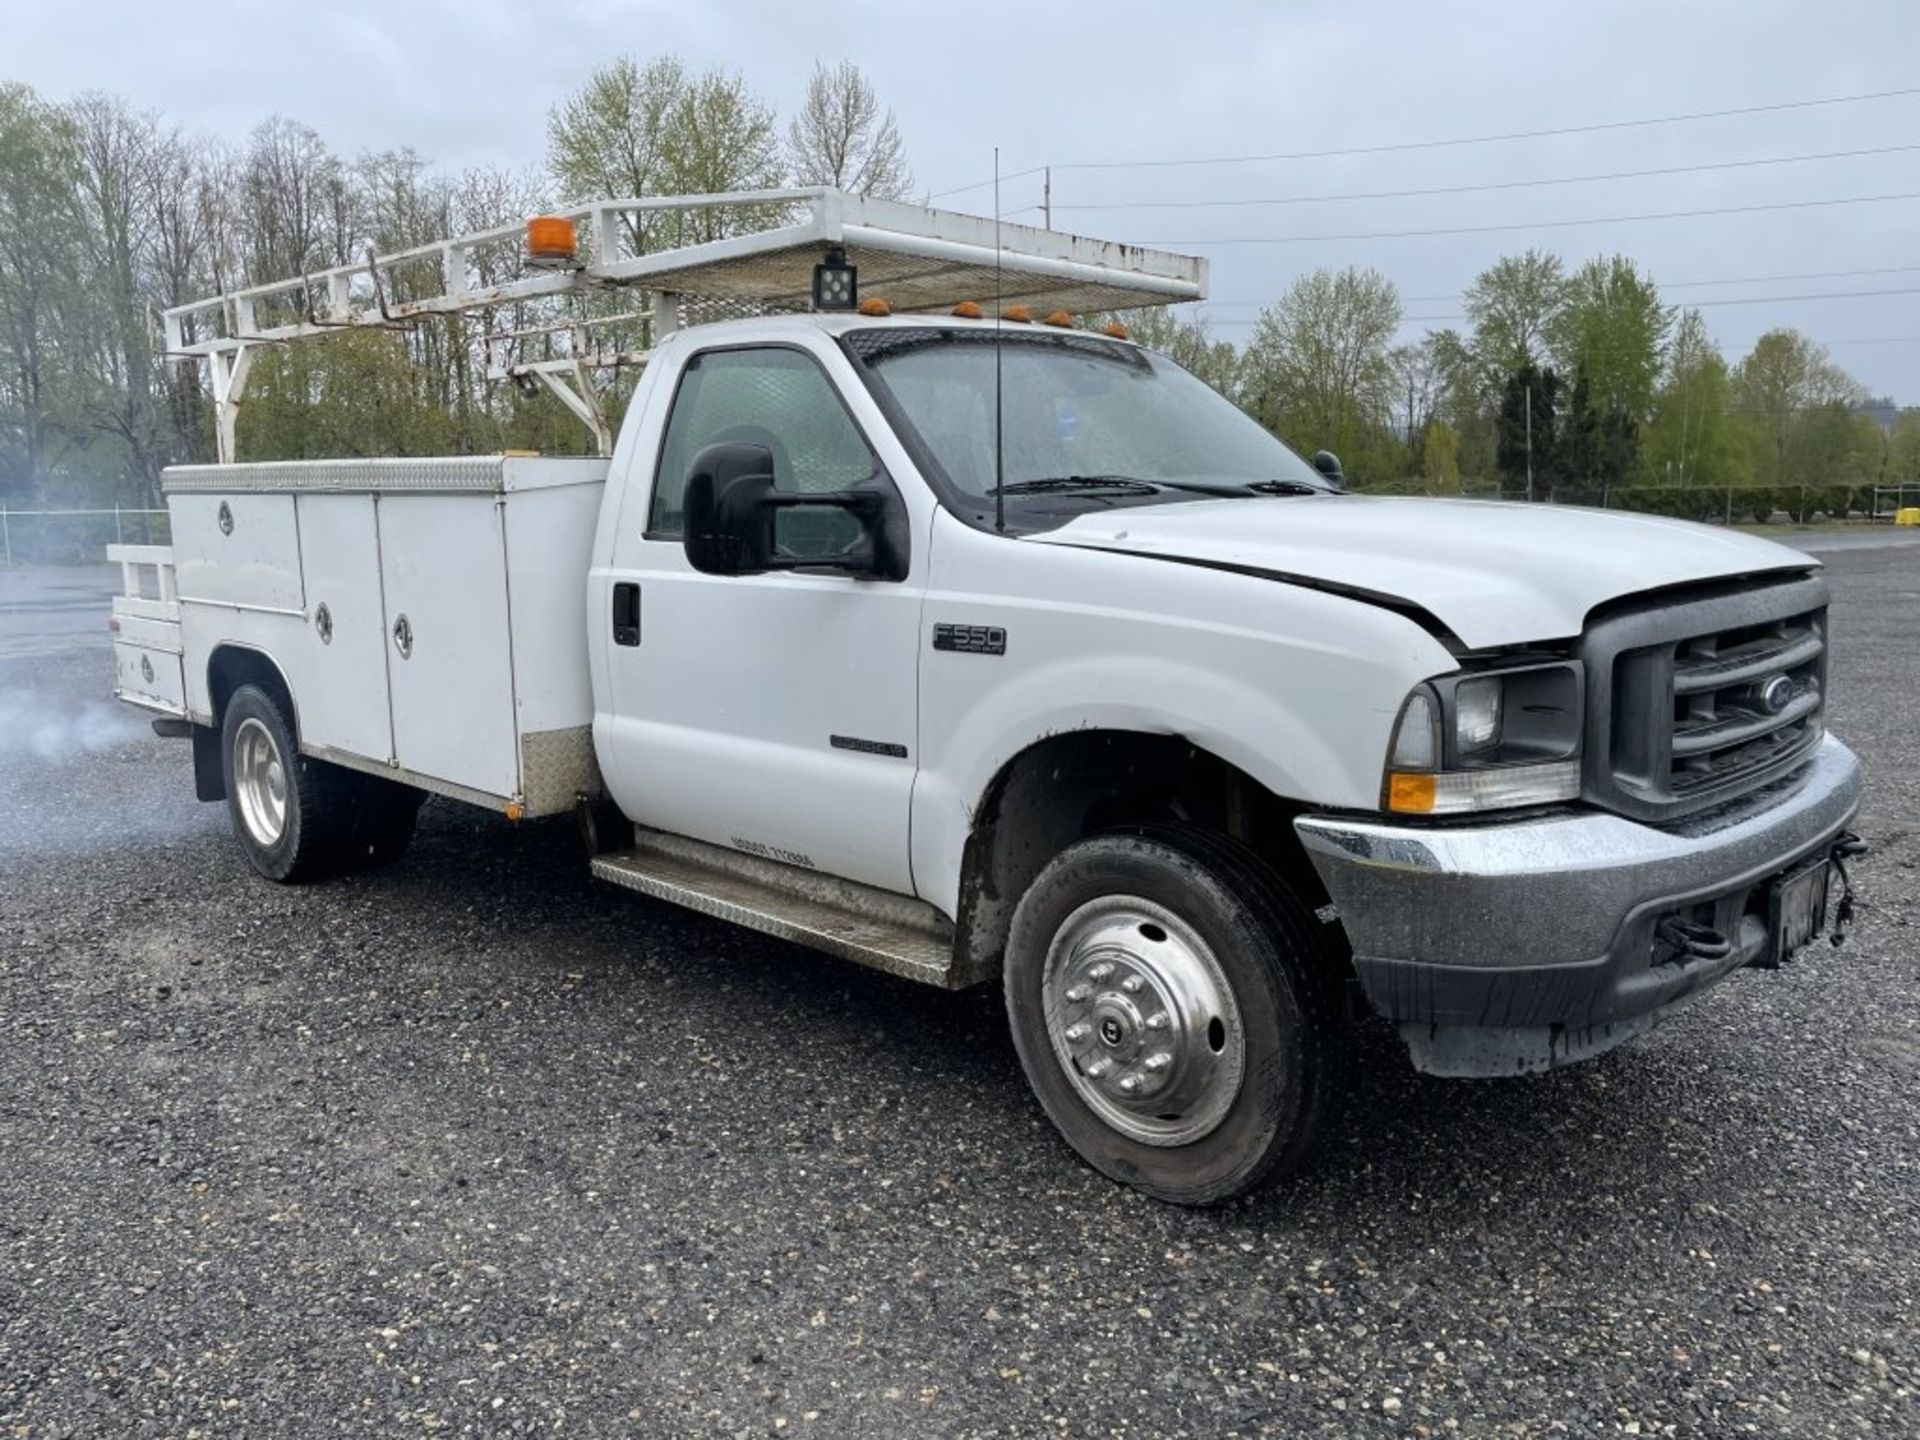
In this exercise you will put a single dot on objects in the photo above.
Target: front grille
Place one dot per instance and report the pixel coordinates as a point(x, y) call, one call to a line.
point(1699, 700)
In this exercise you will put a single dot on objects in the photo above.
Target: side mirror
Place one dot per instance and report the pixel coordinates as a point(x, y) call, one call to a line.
point(1328, 464)
point(731, 520)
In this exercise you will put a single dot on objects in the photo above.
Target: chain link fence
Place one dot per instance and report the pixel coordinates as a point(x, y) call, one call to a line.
point(76, 537)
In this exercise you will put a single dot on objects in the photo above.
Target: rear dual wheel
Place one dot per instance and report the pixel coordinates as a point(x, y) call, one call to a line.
point(297, 817)
point(1164, 991)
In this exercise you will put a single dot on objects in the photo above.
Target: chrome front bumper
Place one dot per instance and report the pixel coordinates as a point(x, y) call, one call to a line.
point(1503, 948)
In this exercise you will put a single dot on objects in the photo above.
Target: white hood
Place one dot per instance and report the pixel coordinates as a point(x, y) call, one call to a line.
point(1494, 574)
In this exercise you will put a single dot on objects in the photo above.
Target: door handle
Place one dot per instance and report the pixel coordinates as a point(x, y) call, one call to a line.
point(626, 613)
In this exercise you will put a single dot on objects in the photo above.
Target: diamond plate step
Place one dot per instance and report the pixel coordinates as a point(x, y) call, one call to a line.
point(856, 922)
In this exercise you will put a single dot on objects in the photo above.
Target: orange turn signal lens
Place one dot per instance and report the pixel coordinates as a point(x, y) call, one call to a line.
point(1116, 330)
point(967, 310)
point(1410, 794)
point(874, 305)
point(1060, 318)
point(551, 237)
point(1018, 313)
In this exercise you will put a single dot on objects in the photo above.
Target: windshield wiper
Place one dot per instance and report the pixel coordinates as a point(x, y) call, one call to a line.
point(1067, 484)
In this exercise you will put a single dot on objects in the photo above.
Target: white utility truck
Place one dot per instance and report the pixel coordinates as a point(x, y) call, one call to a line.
point(973, 647)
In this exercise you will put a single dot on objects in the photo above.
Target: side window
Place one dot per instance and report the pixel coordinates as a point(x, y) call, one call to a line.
point(783, 400)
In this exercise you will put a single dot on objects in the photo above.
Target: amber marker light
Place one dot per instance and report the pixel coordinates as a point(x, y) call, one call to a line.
point(1410, 794)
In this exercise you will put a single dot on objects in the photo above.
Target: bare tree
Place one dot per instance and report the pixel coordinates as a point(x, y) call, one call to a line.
point(121, 166)
point(841, 138)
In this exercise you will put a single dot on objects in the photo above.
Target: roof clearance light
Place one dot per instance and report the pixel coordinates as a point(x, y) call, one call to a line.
point(967, 310)
point(836, 284)
point(551, 241)
point(1019, 314)
point(1116, 330)
point(875, 306)
point(1060, 318)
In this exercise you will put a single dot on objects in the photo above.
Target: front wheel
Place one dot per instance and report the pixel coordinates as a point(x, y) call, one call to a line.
point(1162, 989)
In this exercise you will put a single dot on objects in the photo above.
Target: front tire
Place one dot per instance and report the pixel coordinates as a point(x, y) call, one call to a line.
point(291, 813)
point(1163, 989)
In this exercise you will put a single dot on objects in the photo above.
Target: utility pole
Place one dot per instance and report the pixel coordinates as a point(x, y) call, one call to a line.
point(1046, 199)
point(1529, 399)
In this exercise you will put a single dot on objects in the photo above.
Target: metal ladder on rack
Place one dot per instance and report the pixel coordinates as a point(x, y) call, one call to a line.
point(921, 258)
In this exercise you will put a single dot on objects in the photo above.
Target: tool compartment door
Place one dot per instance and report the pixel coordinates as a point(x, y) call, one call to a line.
point(449, 650)
point(240, 550)
point(342, 682)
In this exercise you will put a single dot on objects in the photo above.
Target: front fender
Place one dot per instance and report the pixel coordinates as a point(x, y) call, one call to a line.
point(1295, 687)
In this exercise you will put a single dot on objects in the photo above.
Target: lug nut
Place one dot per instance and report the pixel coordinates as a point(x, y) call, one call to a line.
point(1099, 1067)
point(1133, 984)
point(1130, 1084)
point(1100, 971)
point(1078, 993)
point(1159, 1060)
point(1158, 1022)
point(1077, 1033)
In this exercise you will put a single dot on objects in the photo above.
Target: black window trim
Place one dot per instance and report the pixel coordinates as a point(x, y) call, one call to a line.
point(881, 475)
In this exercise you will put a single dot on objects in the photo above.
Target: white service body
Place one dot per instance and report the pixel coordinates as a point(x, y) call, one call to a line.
point(810, 724)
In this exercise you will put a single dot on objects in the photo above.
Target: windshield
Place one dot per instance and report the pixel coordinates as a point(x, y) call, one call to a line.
point(1083, 419)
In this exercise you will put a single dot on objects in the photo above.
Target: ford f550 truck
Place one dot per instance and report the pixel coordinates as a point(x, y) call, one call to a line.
point(992, 650)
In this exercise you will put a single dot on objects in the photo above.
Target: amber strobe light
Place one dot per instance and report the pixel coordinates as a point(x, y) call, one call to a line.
point(550, 238)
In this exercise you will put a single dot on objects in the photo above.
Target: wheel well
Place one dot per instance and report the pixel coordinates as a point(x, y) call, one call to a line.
point(231, 666)
point(1069, 786)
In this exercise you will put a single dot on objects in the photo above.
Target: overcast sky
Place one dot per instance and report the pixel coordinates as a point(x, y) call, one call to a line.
point(1070, 85)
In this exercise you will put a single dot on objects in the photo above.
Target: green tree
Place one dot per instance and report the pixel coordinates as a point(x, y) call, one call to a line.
point(1692, 438)
point(1780, 390)
point(1577, 466)
point(661, 130)
point(1440, 458)
point(1511, 306)
point(1527, 431)
point(1319, 369)
point(1903, 449)
point(1612, 326)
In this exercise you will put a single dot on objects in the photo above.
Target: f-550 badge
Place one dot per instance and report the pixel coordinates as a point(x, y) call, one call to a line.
point(970, 639)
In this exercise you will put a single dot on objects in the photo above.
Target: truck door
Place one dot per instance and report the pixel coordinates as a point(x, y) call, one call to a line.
point(776, 714)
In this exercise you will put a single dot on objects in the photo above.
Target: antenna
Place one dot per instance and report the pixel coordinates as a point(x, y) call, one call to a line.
point(999, 453)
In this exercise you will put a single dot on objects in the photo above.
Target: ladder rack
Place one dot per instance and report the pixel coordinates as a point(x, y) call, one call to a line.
point(919, 259)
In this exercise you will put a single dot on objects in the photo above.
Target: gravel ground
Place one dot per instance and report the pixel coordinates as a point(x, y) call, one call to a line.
point(472, 1146)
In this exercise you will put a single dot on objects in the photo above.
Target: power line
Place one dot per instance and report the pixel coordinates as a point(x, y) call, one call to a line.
point(1543, 224)
point(1589, 129)
point(1664, 285)
point(1492, 184)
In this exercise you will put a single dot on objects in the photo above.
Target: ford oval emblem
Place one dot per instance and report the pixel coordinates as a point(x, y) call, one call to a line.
point(1776, 694)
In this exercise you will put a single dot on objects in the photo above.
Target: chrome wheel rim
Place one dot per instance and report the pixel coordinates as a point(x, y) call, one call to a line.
point(259, 782)
point(1143, 1020)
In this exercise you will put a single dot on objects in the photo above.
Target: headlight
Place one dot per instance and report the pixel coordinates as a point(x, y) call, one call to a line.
point(1487, 741)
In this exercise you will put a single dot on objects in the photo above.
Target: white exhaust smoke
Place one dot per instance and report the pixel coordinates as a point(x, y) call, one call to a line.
point(36, 723)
